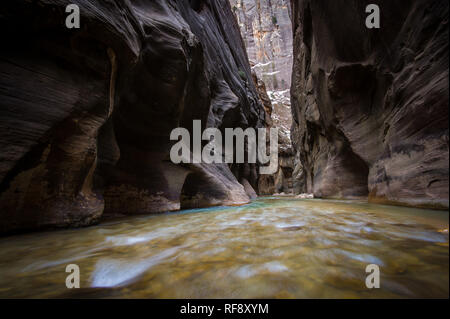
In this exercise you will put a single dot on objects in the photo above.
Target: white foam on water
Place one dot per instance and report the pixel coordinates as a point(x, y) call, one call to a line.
point(246, 272)
point(365, 258)
point(275, 266)
point(232, 223)
point(289, 225)
point(112, 272)
point(131, 240)
point(428, 236)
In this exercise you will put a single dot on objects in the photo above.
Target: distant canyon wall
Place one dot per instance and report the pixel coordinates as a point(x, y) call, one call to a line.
point(86, 114)
point(266, 29)
point(370, 106)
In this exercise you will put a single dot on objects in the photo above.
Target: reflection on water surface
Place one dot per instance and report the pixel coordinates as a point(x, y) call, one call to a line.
point(272, 248)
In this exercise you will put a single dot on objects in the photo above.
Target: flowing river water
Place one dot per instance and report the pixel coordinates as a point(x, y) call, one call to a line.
point(271, 248)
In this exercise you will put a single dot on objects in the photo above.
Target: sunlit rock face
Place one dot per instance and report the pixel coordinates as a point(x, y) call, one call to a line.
point(267, 32)
point(266, 29)
point(278, 116)
point(86, 114)
point(370, 106)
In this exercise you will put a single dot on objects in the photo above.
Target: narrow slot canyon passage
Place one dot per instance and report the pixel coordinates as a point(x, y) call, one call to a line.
point(266, 29)
point(90, 118)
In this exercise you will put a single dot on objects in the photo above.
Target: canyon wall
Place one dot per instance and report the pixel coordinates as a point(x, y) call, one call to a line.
point(266, 29)
point(267, 33)
point(370, 106)
point(86, 114)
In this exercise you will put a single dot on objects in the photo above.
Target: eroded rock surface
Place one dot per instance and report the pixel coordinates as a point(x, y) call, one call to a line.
point(266, 30)
point(370, 106)
point(85, 114)
point(277, 116)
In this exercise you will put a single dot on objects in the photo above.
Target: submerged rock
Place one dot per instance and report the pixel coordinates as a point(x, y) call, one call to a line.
point(370, 106)
point(85, 114)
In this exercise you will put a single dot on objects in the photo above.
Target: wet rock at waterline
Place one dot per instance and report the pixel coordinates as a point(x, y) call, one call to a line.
point(86, 114)
point(370, 106)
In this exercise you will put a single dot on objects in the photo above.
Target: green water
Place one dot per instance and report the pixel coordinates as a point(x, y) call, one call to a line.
point(272, 248)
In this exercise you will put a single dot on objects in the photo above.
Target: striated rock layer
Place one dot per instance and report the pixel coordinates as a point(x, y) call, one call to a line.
point(370, 106)
point(266, 29)
point(267, 32)
point(276, 116)
point(85, 114)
